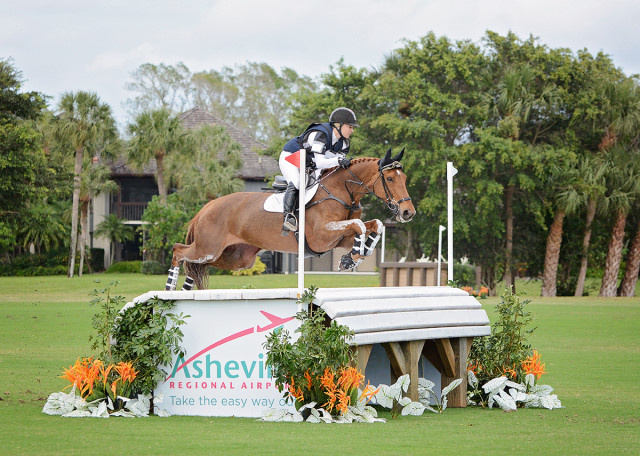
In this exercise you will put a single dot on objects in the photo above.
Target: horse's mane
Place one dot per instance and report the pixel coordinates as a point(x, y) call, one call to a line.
point(354, 161)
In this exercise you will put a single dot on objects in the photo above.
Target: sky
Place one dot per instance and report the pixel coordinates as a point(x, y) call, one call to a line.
point(70, 45)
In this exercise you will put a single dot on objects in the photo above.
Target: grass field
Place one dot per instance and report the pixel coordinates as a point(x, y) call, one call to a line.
point(591, 347)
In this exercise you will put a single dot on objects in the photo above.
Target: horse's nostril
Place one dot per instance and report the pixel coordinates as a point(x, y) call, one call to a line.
point(407, 215)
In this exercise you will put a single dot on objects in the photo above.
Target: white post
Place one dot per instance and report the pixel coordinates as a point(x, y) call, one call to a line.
point(301, 222)
point(384, 233)
point(440, 230)
point(451, 171)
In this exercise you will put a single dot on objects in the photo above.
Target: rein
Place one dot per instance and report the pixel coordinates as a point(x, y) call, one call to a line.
point(391, 203)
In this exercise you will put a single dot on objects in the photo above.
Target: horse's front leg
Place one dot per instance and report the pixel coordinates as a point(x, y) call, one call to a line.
point(352, 228)
point(374, 228)
point(363, 245)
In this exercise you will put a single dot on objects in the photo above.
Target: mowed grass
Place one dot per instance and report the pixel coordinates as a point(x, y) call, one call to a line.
point(591, 347)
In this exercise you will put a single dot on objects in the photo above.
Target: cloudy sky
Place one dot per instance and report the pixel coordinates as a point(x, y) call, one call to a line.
point(70, 45)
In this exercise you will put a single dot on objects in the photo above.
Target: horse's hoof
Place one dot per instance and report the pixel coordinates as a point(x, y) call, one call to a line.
point(346, 263)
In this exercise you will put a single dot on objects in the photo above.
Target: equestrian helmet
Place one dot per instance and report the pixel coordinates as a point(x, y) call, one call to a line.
point(343, 116)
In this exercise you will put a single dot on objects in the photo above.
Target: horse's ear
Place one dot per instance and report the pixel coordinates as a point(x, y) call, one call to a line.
point(384, 161)
point(398, 157)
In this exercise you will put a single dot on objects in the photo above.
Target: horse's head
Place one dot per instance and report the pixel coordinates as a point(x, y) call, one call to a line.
point(394, 188)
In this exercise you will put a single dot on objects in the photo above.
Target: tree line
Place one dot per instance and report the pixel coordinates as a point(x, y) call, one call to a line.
point(545, 142)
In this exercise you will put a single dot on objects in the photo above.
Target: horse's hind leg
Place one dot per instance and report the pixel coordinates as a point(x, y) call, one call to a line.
point(172, 278)
point(174, 270)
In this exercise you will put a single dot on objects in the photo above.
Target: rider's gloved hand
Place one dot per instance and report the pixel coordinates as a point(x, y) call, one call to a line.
point(344, 162)
point(309, 163)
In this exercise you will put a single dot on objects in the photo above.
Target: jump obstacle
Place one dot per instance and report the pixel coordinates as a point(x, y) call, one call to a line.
point(398, 330)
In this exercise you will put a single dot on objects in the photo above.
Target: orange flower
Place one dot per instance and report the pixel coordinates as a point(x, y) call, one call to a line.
point(83, 374)
point(510, 371)
point(344, 400)
point(327, 379)
point(308, 377)
point(532, 365)
point(369, 392)
point(126, 371)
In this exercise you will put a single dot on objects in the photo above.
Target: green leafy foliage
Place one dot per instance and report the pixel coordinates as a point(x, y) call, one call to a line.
point(319, 346)
point(146, 334)
point(167, 225)
point(507, 346)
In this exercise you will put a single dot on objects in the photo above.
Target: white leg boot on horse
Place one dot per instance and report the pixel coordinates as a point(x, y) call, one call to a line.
point(172, 279)
point(188, 284)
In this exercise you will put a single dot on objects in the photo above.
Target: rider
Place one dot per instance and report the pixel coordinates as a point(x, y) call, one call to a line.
point(326, 146)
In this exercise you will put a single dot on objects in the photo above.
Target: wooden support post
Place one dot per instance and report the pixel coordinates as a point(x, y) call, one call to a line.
point(412, 351)
point(396, 360)
point(458, 397)
point(447, 356)
point(404, 358)
point(362, 356)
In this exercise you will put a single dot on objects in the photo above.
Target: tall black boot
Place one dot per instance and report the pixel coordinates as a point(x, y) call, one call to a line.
point(290, 222)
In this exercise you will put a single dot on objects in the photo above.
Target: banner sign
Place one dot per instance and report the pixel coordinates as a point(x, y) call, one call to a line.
point(224, 371)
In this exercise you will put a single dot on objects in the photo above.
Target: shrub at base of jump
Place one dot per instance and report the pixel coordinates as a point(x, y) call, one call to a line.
point(130, 346)
point(503, 368)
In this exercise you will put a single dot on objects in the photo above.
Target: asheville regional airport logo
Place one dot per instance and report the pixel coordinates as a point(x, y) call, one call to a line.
point(206, 371)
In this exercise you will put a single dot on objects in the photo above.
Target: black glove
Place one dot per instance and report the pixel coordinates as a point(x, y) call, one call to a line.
point(309, 163)
point(344, 162)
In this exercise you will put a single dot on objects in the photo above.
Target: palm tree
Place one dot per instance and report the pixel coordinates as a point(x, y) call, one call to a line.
point(95, 180)
point(518, 97)
point(566, 202)
point(214, 169)
point(115, 230)
point(156, 135)
point(47, 229)
point(628, 284)
point(621, 143)
point(82, 118)
point(592, 173)
point(624, 182)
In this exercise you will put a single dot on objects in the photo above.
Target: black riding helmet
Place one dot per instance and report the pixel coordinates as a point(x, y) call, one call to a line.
point(343, 116)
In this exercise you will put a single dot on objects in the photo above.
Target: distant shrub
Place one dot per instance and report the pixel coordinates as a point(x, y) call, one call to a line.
point(153, 268)
point(125, 267)
point(465, 274)
point(54, 262)
point(258, 268)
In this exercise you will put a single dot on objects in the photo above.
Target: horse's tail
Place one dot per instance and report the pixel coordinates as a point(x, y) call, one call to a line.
point(197, 271)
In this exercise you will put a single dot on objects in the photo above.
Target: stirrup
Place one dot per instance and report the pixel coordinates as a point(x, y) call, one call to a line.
point(290, 223)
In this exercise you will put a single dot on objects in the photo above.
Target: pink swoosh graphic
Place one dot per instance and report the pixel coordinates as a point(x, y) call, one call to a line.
point(245, 332)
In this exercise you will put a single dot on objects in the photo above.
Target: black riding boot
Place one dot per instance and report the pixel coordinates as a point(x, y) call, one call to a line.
point(290, 222)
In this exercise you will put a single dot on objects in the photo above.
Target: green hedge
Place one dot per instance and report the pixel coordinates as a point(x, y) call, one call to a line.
point(54, 262)
point(125, 267)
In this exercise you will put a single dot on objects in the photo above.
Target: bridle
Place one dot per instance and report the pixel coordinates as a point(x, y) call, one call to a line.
point(389, 200)
point(392, 204)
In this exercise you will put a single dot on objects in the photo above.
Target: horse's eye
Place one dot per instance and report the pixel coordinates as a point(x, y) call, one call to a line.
point(389, 179)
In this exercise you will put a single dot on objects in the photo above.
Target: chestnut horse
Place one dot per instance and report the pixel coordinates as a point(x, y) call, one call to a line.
point(228, 232)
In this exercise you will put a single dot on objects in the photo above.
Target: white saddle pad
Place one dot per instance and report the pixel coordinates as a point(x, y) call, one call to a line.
point(275, 202)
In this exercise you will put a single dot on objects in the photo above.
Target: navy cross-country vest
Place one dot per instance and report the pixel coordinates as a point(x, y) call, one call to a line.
point(296, 143)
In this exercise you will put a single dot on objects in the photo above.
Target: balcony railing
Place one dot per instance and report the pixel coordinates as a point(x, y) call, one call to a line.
point(129, 211)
